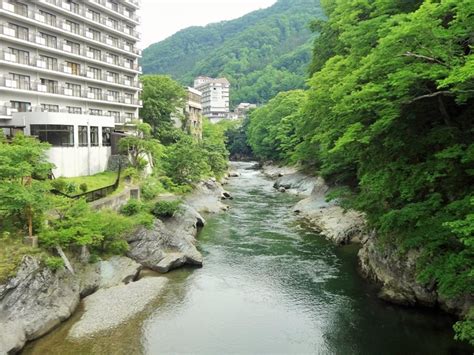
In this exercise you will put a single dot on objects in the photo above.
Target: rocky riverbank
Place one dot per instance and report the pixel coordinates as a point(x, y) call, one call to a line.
point(395, 273)
point(38, 299)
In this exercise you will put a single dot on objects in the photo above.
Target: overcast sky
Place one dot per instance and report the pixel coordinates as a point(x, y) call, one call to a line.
point(162, 18)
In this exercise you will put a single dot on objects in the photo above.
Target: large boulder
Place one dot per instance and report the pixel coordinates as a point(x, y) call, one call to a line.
point(117, 270)
point(296, 183)
point(34, 302)
point(207, 197)
point(161, 250)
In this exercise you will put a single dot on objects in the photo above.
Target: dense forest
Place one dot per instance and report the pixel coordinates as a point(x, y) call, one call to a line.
point(388, 120)
point(262, 53)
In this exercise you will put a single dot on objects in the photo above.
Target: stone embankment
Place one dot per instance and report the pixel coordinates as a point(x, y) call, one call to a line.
point(395, 273)
point(37, 299)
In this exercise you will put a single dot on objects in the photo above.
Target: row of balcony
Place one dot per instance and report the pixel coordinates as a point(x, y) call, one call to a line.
point(7, 111)
point(65, 68)
point(97, 38)
point(119, 9)
point(83, 12)
point(63, 46)
point(56, 89)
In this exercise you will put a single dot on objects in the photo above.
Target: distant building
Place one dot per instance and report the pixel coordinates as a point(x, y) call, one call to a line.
point(215, 97)
point(243, 109)
point(193, 112)
point(69, 76)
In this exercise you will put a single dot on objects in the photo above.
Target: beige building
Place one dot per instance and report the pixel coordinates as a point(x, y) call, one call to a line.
point(193, 112)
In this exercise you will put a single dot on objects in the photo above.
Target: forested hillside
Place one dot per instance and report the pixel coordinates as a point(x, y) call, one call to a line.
point(388, 118)
point(262, 53)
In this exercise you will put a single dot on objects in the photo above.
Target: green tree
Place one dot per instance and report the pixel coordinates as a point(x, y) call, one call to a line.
point(23, 191)
point(162, 97)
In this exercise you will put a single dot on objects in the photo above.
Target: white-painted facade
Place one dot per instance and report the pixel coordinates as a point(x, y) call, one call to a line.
point(215, 97)
point(69, 62)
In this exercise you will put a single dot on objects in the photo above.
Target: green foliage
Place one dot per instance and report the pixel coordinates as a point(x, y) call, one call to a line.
point(83, 187)
point(262, 53)
point(70, 188)
point(12, 252)
point(465, 329)
point(59, 184)
point(54, 263)
point(162, 97)
point(236, 140)
point(150, 188)
point(271, 131)
point(166, 209)
point(132, 207)
point(23, 191)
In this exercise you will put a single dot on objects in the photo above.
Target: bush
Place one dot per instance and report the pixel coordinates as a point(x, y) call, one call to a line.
point(70, 188)
point(54, 263)
point(166, 209)
point(150, 188)
point(83, 187)
point(132, 207)
point(59, 184)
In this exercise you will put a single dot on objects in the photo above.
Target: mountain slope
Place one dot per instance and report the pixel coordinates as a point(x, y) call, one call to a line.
point(261, 53)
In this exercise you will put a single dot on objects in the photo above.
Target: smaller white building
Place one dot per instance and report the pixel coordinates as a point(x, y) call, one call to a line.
point(80, 144)
point(215, 97)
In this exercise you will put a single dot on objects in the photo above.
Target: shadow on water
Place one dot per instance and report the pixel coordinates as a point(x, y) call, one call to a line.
point(269, 286)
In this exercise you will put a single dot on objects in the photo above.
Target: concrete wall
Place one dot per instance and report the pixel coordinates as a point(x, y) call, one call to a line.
point(72, 161)
point(115, 202)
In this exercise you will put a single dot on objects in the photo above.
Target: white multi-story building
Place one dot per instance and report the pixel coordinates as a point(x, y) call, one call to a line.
point(69, 75)
point(215, 97)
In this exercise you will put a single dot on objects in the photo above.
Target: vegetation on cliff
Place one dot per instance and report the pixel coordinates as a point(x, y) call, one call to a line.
point(262, 53)
point(388, 118)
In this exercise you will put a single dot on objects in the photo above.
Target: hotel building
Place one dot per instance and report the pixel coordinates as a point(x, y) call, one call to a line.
point(69, 75)
point(215, 97)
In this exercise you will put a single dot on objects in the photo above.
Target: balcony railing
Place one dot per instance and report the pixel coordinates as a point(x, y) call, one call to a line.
point(63, 67)
point(56, 89)
point(80, 31)
point(118, 9)
point(35, 37)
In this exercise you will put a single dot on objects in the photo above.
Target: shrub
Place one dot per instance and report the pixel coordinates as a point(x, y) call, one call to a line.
point(83, 187)
point(59, 184)
point(150, 188)
point(132, 207)
point(54, 263)
point(166, 209)
point(70, 188)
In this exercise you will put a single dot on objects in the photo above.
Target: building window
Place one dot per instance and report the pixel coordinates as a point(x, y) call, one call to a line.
point(112, 77)
point(112, 95)
point(51, 85)
point(83, 137)
point(95, 112)
point(96, 53)
point(95, 16)
point(106, 136)
point(75, 47)
point(21, 57)
point(96, 73)
point(50, 62)
point(113, 5)
point(113, 40)
point(49, 19)
point(114, 58)
point(96, 93)
point(49, 108)
point(114, 23)
point(21, 106)
point(74, 110)
point(94, 136)
point(50, 41)
point(20, 31)
point(74, 6)
point(95, 34)
point(22, 81)
point(73, 68)
point(116, 115)
point(128, 98)
point(21, 9)
point(75, 89)
point(75, 27)
point(56, 135)
point(129, 116)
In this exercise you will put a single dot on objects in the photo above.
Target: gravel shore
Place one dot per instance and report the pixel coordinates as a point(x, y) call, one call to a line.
point(108, 308)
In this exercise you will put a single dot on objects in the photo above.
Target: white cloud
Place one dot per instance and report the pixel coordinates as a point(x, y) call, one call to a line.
point(162, 18)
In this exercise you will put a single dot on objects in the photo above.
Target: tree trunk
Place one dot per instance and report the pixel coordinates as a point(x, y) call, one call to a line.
point(34, 239)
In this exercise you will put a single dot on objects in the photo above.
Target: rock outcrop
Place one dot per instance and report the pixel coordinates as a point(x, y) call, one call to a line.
point(207, 197)
point(37, 299)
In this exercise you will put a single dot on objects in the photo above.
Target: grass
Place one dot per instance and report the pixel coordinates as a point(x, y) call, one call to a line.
point(94, 182)
point(12, 251)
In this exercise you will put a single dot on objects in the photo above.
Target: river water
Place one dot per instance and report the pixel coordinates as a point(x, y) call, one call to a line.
point(269, 286)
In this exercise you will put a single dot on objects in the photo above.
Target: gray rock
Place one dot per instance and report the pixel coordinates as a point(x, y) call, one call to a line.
point(296, 183)
point(206, 198)
point(282, 189)
point(118, 270)
point(161, 250)
point(34, 302)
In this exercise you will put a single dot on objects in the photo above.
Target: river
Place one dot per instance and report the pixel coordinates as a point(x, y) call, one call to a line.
point(268, 286)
